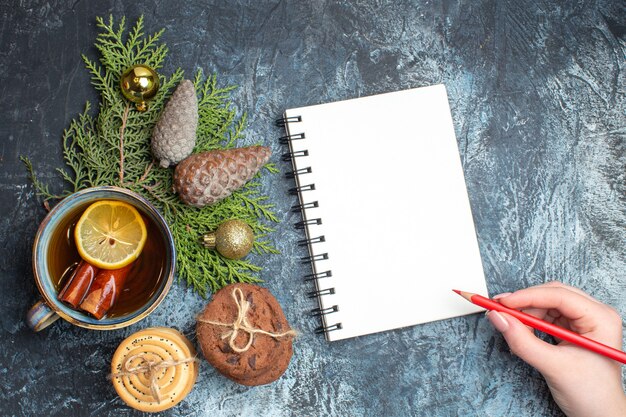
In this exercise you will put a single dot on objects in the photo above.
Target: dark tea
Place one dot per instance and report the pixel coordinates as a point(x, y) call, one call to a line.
point(145, 275)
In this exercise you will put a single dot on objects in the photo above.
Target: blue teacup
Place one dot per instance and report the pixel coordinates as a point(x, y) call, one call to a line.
point(49, 309)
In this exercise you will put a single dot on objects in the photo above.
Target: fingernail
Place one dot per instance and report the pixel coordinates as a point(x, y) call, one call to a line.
point(498, 321)
point(504, 294)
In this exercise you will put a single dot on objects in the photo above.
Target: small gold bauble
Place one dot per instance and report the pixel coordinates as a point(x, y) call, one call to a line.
point(233, 239)
point(139, 84)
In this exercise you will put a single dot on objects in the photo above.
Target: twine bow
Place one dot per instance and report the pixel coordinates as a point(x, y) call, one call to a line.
point(241, 324)
point(150, 369)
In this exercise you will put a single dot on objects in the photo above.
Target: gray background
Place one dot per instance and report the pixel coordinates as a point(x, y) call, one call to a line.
point(537, 96)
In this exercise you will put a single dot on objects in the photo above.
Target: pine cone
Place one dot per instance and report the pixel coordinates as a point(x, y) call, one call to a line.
point(208, 177)
point(174, 135)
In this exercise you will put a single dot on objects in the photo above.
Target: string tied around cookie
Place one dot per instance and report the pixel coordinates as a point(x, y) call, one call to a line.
point(241, 324)
point(150, 369)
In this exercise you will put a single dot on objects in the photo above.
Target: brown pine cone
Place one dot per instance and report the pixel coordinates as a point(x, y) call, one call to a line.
point(208, 177)
point(174, 135)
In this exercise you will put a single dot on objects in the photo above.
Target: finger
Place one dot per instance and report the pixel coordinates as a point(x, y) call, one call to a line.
point(504, 294)
point(554, 313)
point(569, 304)
point(540, 313)
point(562, 322)
point(558, 284)
point(523, 342)
point(536, 312)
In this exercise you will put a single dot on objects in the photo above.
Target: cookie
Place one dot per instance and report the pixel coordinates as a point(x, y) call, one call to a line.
point(175, 378)
point(267, 356)
point(271, 375)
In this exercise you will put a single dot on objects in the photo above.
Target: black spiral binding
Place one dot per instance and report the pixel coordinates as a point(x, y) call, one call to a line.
point(284, 140)
point(307, 242)
point(323, 311)
point(320, 257)
point(304, 223)
point(288, 156)
point(302, 207)
point(317, 275)
point(317, 293)
point(301, 171)
point(284, 121)
point(302, 188)
point(299, 207)
point(327, 329)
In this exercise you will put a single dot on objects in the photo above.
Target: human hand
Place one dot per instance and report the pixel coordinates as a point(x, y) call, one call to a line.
point(583, 383)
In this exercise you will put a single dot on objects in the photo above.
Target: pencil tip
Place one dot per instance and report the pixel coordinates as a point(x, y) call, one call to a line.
point(467, 295)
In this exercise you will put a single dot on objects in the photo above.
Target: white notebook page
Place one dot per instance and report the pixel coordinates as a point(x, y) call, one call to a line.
point(395, 214)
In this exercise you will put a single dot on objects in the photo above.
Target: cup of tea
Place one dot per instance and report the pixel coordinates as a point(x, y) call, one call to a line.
point(55, 257)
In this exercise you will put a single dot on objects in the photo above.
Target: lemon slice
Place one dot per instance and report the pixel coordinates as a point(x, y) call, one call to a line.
point(110, 234)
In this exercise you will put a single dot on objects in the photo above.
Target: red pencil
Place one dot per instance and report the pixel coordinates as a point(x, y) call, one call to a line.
point(546, 327)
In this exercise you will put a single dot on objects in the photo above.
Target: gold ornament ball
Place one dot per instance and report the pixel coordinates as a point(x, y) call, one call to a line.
point(233, 239)
point(139, 84)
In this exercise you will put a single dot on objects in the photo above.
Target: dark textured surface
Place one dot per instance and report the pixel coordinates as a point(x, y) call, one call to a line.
point(537, 96)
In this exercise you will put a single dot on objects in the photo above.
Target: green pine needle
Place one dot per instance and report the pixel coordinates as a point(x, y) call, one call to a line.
point(91, 150)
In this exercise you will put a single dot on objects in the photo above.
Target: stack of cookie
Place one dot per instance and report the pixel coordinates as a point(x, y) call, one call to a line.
point(154, 369)
point(244, 334)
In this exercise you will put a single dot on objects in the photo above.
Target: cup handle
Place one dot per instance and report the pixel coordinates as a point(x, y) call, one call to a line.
point(40, 316)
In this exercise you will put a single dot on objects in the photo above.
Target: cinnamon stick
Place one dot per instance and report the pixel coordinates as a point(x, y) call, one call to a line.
point(78, 284)
point(105, 291)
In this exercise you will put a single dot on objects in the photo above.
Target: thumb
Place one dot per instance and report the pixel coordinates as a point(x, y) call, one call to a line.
point(523, 342)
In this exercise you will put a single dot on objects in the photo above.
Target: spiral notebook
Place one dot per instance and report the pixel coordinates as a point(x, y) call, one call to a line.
point(385, 211)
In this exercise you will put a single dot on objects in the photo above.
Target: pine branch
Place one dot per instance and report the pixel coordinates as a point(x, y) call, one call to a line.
point(113, 148)
point(41, 189)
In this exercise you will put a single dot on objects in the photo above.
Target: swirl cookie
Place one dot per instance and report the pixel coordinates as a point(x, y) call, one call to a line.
point(244, 334)
point(154, 369)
